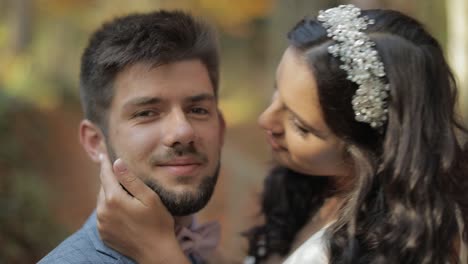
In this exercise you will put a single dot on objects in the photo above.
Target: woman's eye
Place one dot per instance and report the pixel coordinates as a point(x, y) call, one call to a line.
point(300, 129)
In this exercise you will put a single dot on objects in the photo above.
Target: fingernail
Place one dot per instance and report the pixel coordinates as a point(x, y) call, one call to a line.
point(120, 166)
point(101, 156)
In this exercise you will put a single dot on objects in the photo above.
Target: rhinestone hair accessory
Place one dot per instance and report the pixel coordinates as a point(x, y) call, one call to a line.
point(360, 60)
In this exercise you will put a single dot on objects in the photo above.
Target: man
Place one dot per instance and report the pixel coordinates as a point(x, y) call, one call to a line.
point(149, 87)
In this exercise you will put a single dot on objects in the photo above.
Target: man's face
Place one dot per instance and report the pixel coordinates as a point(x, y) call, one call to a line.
point(164, 123)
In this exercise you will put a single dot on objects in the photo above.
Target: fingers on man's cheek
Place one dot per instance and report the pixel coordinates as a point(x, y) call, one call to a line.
point(112, 198)
point(101, 197)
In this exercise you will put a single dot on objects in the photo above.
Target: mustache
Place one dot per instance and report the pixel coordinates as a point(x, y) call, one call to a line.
point(177, 151)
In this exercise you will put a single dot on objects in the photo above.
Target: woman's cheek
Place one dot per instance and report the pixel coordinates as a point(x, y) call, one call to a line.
point(318, 159)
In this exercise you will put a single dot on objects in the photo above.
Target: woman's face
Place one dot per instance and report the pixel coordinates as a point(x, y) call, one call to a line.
point(294, 123)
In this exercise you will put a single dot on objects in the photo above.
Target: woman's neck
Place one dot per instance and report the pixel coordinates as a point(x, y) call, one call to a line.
point(327, 214)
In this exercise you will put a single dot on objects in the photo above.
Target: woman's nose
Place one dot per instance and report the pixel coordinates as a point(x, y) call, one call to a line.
point(270, 119)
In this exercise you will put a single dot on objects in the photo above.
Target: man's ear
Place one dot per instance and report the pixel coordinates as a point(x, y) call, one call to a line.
point(92, 139)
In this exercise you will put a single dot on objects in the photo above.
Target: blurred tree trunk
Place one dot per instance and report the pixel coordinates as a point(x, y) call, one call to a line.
point(457, 48)
point(285, 15)
point(20, 23)
point(433, 14)
point(365, 4)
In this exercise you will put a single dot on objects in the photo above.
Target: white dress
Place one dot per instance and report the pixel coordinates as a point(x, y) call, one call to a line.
point(313, 250)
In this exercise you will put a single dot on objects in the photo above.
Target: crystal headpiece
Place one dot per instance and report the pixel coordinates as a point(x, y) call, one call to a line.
point(360, 60)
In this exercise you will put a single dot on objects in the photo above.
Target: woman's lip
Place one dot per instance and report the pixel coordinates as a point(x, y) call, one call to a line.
point(275, 144)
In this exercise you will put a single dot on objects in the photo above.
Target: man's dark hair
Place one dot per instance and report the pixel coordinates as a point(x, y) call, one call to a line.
point(156, 38)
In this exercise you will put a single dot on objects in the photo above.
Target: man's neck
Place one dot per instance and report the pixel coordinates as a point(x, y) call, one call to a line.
point(185, 221)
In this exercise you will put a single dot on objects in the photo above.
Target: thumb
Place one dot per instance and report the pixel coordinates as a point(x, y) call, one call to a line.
point(130, 182)
point(120, 167)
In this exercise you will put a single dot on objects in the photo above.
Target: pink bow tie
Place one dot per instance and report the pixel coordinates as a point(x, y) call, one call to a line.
point(199, 240)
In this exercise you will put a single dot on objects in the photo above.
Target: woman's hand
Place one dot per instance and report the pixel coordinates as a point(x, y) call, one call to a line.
point(136, 225)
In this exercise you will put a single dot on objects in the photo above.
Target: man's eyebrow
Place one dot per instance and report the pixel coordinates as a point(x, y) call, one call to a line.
point(201, 97)
point(142, 101)
point(312, 129)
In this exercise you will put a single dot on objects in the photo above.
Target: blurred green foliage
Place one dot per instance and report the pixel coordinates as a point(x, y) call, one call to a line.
point(27, 227)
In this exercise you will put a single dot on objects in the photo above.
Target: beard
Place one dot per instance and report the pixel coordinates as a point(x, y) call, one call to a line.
point(186, 203)
point(179, 204)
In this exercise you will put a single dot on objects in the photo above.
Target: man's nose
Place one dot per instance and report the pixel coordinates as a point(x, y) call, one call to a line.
point(178, 130)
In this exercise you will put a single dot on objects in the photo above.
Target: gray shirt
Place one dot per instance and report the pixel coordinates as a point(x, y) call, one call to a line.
point(85, 246)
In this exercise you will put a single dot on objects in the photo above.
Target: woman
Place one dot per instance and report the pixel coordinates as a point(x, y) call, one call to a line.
point(370, 169)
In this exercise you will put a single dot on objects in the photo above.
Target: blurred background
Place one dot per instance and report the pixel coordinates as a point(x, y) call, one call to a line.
point(48, 186)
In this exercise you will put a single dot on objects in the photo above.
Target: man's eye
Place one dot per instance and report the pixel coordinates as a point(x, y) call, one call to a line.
point(146, 113)
point(199, 111)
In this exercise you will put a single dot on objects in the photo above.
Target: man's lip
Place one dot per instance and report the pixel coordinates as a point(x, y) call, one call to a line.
point(181, 166)
point(182, 170)
point(181, 162)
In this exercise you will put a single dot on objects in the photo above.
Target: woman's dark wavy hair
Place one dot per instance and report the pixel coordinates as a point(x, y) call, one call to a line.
point(410, 180)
